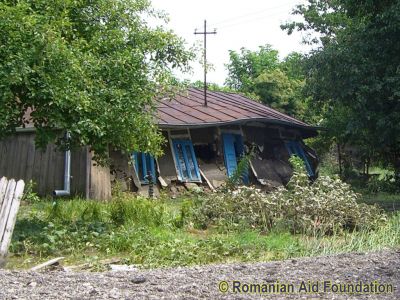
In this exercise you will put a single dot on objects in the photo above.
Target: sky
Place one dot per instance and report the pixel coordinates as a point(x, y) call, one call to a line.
point(245, 23)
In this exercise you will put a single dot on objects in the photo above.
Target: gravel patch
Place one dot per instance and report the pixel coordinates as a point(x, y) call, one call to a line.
point(202, 282)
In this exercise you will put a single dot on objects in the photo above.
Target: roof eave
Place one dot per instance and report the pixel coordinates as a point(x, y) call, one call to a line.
point(311, 129)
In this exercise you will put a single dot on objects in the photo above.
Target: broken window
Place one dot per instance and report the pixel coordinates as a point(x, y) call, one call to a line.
point(294, 148)
point(145, 166)
point(186, 160)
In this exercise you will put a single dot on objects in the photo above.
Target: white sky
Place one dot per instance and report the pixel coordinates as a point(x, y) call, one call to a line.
point(246, 23)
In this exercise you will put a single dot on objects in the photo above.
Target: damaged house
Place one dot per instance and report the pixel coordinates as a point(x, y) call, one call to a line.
point(206, 142)
point(203, 148)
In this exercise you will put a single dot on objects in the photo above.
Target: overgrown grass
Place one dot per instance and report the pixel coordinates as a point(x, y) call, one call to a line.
point(140, 231)
point(233, 225)
point(386, 236)
point(159, 233)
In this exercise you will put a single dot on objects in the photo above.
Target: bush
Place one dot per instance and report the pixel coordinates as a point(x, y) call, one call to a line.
point(326, 206)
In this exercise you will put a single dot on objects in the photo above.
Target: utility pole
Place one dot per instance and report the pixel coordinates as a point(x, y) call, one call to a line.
point(205, 33)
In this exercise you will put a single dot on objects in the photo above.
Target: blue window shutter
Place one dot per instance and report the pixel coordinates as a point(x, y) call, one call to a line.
point(146, 164)
point(187, 161)
point(152, 167)
point(135, 160)
point(229, 153)
point(144, 167)
point(196, 166)
point(175, 144)
point(240, 150)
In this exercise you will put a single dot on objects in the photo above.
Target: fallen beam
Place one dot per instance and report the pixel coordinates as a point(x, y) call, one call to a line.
point(47, 263)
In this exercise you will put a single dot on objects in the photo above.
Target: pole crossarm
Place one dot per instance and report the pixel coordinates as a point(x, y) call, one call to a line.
point(205, 33)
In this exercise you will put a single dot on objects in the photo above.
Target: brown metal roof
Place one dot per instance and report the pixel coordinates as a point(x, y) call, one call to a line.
point(188, 110)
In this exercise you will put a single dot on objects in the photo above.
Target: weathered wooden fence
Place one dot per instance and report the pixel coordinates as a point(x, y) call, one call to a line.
point(10, 197)
point(20, 158)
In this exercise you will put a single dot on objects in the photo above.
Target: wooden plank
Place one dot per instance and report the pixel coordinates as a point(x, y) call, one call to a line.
point(43, 171)
point(12, 217)
point(100, 182)
point(16, 158)
point(3, 149)
point(47, 263)
point(3, 188)
point(88, 159)
point(50, 169)
point(23, 156)
point(207, 181)
point(83, 172)
point(37, 168)
point(5, 208)
point(30, 160)
point(12, 149)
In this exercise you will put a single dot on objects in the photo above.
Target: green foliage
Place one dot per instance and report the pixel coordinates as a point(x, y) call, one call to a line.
point(93, 68)
point(84, 232)
point(241, 170)
point(353, 78)
point(247, 65)
point(326, 206)
point(30, 195)
point(297, 164)
point(274, 82)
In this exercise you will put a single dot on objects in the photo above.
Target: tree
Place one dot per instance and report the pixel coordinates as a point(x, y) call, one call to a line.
point(356, 70)
point(247, 65)
point(92, 68)
point(274, 82)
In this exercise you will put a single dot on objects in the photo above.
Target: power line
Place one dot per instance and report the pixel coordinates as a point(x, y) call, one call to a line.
point(251, 20)
point(252, 13)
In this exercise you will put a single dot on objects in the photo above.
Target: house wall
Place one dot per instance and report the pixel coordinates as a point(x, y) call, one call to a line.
point(21, 159)
point(100, 182)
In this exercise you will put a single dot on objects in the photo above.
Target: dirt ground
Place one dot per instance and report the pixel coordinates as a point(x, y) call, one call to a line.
point(204, 282)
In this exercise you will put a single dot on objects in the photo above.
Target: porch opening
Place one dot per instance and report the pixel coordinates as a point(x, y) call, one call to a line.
point(206, 152)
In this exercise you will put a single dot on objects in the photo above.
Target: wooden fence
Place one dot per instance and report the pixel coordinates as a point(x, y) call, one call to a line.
point(20, 158)
point(10, 197)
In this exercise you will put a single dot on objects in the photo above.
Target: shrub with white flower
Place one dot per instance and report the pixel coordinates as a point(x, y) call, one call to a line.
point(325, 206)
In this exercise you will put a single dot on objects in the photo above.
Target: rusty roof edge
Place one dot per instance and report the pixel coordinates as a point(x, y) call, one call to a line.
point(240, 121)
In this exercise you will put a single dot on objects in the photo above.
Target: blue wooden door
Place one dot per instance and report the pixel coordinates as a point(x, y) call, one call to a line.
point(229, 153)
point(233, 150)
point(239, 148)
